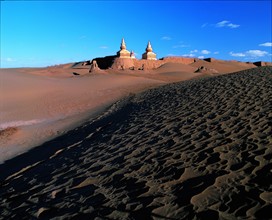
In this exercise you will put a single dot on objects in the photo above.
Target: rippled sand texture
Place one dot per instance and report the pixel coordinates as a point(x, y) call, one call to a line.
point(199, 149)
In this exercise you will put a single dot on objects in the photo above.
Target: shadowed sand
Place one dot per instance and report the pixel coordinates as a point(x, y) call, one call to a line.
point(199, 149)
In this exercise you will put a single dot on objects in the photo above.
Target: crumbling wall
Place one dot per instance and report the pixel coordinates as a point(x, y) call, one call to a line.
point(105, 62)
point(115, 62)
point(183, 60)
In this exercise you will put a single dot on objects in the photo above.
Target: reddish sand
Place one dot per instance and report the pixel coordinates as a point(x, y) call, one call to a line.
point(223, 66)
point(41, 106)
point(199, 149)
point(42, 103)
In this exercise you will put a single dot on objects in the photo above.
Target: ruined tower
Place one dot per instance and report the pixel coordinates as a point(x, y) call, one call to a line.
point(123, 52)
point(149, 55)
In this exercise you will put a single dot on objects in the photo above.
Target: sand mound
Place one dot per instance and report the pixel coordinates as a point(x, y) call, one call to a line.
point(175, 72)
point(206, 70)
point(223, 66)
point(199, 149)
point(175, 67)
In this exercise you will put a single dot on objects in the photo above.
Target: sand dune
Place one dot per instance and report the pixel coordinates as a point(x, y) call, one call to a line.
point(198, 149)
point(41, 104)
point(175, 72)
point(223, 66)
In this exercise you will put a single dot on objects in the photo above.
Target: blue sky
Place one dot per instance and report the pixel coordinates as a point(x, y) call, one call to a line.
point(42, 33)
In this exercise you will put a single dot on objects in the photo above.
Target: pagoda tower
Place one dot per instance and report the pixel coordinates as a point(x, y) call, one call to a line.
point(123, 52)
point(149, 54)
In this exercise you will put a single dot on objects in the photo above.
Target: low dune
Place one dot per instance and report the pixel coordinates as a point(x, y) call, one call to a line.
point(222, 66)
point(199, 149)
point(42, 104)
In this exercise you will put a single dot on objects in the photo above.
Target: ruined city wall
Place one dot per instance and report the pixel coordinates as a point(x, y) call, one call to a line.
point(121, 63)
point(129, 63)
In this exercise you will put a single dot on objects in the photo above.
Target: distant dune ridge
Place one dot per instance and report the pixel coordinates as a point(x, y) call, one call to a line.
point(198, 149)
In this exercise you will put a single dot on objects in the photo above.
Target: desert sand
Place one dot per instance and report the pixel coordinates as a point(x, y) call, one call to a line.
point(198, 149)
point(38, 104)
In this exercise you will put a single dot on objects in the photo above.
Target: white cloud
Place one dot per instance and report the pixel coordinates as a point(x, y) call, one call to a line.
point(222, 23)
point(256, 53)
point(204, 25)
point(267, 44)
point(197, 53)
point(103, 47)
point(205, 52)
point(237, 54)
point(166, 38)
point(226, 24)
point(216, 52)
point(233, 25)
point(8, 59)
point(189, 55)
point(250, 53)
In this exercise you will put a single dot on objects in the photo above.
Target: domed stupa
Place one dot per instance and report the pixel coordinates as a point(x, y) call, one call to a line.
point(123, 53)
point(149, 55)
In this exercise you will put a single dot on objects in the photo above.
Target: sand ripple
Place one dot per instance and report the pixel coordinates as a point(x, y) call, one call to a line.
point(200, 149)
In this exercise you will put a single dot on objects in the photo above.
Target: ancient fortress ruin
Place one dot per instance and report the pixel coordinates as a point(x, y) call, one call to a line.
point(124, 53)
point(125, 59)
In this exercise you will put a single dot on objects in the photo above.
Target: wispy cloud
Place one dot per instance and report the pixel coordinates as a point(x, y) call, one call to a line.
point(103, 47)
point(267, 44)
point(204, 25)
point(181, 46)
point(237, 54)
point(8, 59)
point(193, 51)
point(197, 53)
point(82, 37)
point(189, 55)
point(226, 24)
point(256, 53)
point(250, 53)
point(233, 25)
point(166, 38)
point(172, 55)
point(205, 52)
point(216, 52)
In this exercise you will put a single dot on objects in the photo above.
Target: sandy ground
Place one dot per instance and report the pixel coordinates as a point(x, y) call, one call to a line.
point(38, 104)
point(224, 66)
point(41, 106)
point(200, 149)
